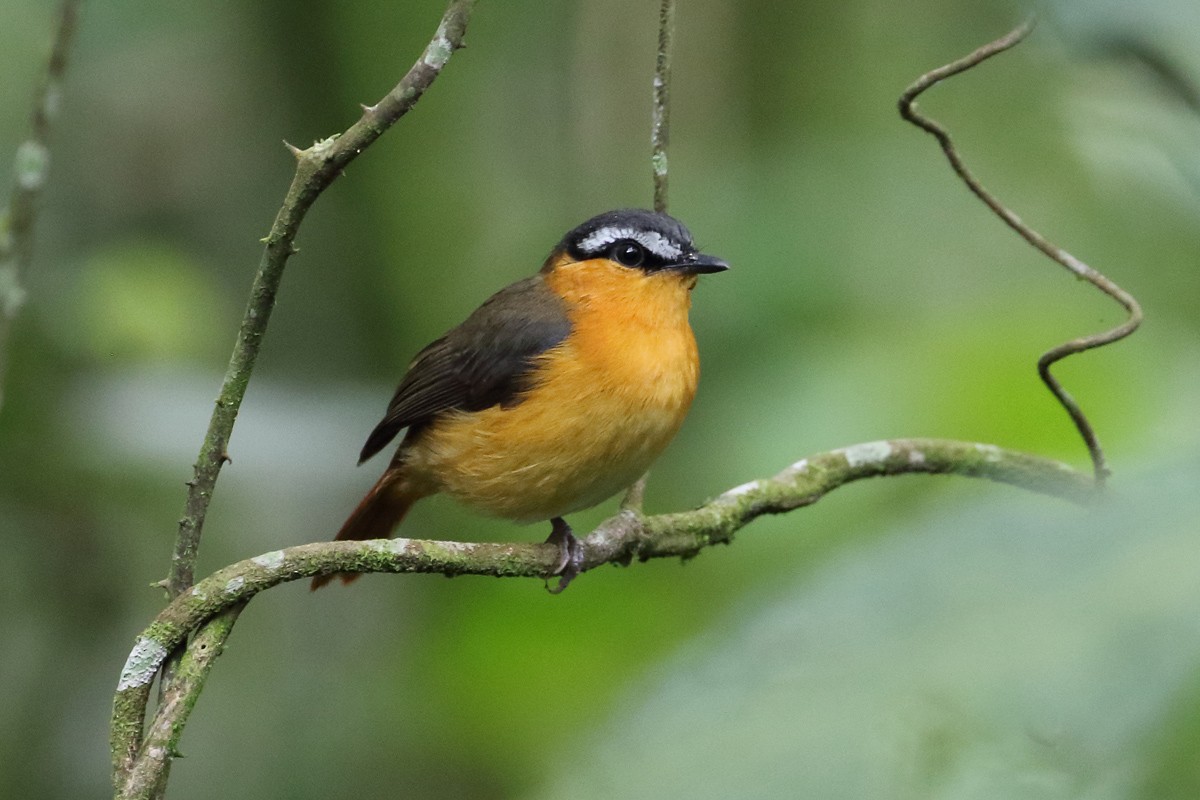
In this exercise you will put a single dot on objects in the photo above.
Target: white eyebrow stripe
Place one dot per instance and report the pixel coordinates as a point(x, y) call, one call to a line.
point(653, 241)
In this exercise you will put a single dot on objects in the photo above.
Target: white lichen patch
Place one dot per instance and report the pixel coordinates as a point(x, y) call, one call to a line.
point(1074, 264)
point(271, 560)
point(52, 101)
point(990, 452)
point(12, 295)
point(438, 52)
point(322, 149)
point(867, 453)
point(33, 160)
point(659, 162)
point(397, 546)
point(793, 471)
point(454, 547)
point(916, 457)
point(235, 585)
point(142, 664)
point(197, 593)
point(738, 491)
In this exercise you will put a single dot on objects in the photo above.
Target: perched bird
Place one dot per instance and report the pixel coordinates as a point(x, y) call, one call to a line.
point(556, 393)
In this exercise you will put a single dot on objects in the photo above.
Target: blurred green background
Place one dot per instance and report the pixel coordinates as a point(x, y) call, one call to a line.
point(903, 639)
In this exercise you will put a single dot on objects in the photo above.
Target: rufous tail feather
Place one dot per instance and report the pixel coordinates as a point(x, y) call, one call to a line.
point(375, 517)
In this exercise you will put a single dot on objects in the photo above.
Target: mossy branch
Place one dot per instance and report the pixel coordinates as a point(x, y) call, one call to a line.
point(317, 167)
point(147, 769)
point(208, 610)
point(621, 539)
point(31, 169)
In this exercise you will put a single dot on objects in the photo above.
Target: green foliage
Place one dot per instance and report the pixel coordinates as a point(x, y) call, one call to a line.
point(997, 649)
point(943, 638)
point(144, 301)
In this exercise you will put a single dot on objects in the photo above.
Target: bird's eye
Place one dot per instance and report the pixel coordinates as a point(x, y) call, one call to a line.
point(628, 254)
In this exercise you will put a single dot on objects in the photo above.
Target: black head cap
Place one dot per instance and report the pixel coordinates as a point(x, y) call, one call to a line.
point(635, 237)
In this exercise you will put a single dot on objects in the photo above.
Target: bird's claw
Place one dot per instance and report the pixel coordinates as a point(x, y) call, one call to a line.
point(570, 561)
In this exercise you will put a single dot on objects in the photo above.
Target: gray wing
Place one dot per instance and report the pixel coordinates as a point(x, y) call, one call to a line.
point(485, 361)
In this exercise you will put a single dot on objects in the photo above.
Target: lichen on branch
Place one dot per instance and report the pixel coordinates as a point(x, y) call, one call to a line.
point(31, 166)
point(620, 540)
point(316, 168)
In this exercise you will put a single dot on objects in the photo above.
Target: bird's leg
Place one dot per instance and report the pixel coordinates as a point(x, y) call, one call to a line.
point(570, 550)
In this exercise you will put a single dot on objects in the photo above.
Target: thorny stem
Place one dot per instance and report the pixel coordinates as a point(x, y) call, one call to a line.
point(211, 607)
point(1060, 256)
point(317, 167)
point(31, 168)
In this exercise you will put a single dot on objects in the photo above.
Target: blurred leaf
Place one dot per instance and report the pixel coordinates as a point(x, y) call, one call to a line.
point(1008, 650)
point(871, 296)
point(147, 301)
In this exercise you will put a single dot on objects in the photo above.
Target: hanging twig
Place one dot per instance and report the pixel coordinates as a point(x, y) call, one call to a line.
point(32, 165)
point(660, 135)
point(1080, 269)
point(660, 126)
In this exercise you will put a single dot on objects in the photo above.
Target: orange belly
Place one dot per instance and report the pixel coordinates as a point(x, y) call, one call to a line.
point(607, 401)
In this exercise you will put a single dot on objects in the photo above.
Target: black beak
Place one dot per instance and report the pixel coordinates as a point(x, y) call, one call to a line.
point(699, 264)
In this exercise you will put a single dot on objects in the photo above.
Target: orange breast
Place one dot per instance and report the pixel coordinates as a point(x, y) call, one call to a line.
point(605, 404)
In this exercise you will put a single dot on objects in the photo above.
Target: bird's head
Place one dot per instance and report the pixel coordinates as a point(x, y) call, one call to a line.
point(645, 242)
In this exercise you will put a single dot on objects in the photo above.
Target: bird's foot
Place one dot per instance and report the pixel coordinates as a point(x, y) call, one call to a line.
point(570, 550)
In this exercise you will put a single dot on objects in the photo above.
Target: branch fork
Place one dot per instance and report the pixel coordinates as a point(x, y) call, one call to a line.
point(207, 611)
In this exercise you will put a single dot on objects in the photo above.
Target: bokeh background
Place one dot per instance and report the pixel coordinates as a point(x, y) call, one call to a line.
point(907, 638)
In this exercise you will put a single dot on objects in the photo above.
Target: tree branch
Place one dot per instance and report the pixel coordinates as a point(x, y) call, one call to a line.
point(317, 167)
point(660, 136)
point(619, 540)
point(210, 608)
point(1078, 268)
point(32, 164)
point(660, 126)
point(149, 769)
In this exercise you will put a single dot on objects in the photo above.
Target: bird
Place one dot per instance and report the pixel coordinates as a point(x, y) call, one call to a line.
point(555, 394)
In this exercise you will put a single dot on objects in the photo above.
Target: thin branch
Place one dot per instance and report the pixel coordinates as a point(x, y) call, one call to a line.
point(150, 769)
point(1060, 256)
point(31, 168)
point(317, 167)
point(660, 129)
point(619, 540)
point(660, 136)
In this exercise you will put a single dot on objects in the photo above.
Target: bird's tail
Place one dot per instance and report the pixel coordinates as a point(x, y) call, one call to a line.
point(375, 517)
